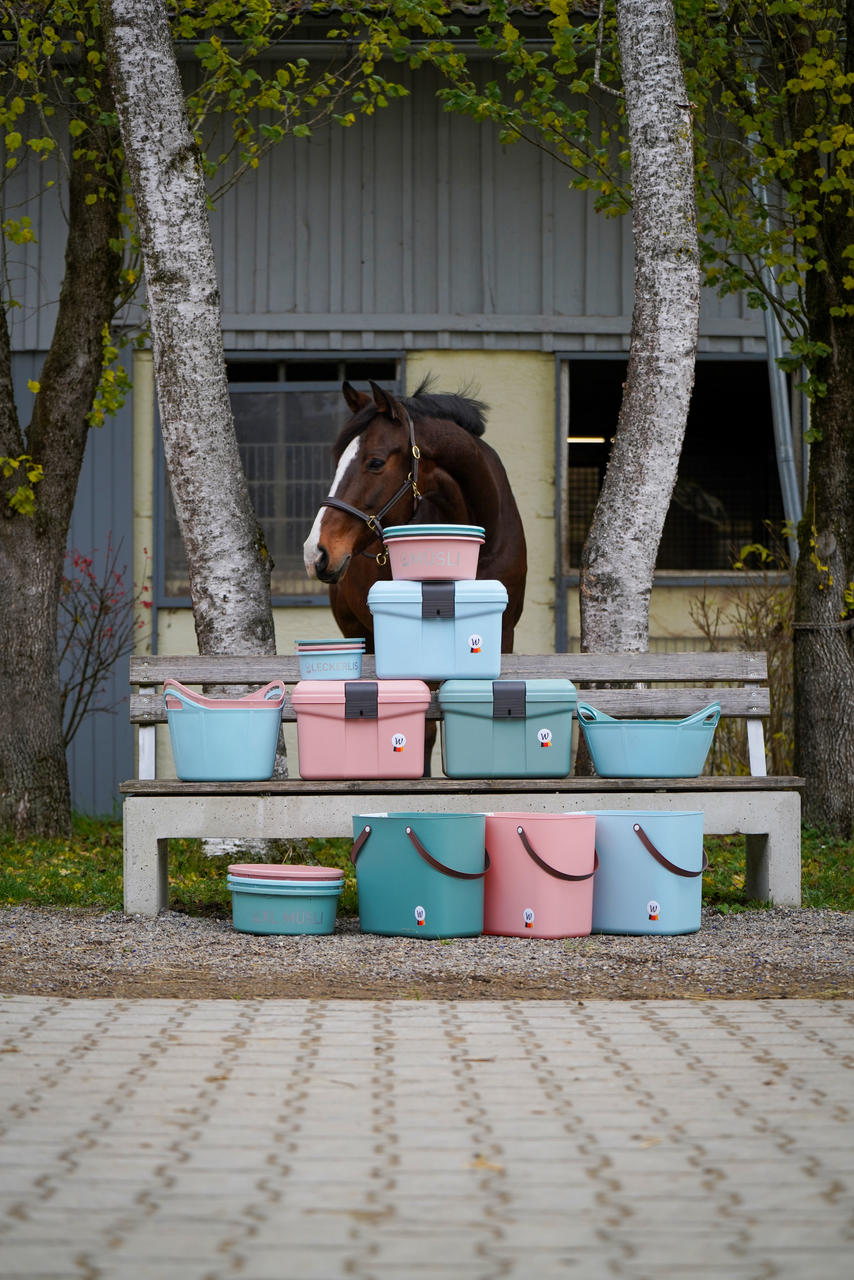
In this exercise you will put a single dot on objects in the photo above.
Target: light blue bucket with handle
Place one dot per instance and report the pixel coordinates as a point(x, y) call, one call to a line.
point(420, 875)
point(648, 748)
point(224, 739)
point(650, 874)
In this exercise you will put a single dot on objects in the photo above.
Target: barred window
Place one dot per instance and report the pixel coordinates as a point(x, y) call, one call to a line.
point(287, 413)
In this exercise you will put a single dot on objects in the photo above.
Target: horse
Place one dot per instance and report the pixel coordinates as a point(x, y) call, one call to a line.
point(415, 459)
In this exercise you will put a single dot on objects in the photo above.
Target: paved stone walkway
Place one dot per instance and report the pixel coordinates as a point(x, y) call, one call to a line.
point(374, 1140)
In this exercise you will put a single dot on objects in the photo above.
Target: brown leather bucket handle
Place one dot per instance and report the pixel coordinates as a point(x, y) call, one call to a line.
point(359, 842)
point(660, 858)
point(553, 871)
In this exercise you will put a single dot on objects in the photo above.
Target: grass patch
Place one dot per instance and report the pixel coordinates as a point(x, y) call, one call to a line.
point(827, 872)
point(86, 871)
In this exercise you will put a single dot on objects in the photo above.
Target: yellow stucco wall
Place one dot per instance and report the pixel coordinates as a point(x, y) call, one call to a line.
point(519, 387)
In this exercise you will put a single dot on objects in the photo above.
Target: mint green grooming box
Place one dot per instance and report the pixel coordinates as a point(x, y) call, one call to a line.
point(420, 875)
point(507, 728)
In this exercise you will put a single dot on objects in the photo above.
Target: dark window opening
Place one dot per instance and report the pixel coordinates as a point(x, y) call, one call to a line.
point(727, 485)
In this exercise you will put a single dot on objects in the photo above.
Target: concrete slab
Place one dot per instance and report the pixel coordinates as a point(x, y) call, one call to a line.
point(478, 1140)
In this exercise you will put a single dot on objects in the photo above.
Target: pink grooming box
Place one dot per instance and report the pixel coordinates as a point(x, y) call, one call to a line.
point(360, 728)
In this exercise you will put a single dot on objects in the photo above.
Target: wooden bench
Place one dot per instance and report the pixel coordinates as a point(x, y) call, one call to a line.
point(767, 811)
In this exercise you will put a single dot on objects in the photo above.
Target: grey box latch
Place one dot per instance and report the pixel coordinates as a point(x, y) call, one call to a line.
point(360, 700)
point(438, 599)
point(508, 699)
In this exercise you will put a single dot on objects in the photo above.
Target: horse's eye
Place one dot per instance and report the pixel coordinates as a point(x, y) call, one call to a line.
point(375, 464)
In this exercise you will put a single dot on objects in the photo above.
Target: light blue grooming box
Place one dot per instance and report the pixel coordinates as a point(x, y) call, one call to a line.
point(438, 630)
point(507, 728)
point(648, 748)
point(420, 875)
point(650, 874)
point(282, 909)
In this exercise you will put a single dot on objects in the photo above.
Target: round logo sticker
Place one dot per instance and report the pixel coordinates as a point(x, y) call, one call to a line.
point(544, 737)
point(420, 915)
point(475, 642)
point(528, 917)
point(398, 741)
point(653, 909)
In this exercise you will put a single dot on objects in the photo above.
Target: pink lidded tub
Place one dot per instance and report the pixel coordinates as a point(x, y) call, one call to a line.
point(360, 728)
point(425, 552)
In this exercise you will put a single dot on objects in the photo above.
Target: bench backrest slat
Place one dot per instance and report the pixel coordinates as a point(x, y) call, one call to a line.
point(584, 669)
point(663, 703)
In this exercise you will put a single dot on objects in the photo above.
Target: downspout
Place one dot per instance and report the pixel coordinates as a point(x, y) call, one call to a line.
point(778, 384)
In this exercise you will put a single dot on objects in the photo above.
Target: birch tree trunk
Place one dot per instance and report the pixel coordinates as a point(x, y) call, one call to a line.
point(619, 555)
point(226, 554)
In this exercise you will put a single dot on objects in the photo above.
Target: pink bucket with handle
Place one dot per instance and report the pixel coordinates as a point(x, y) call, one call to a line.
point(540, 882)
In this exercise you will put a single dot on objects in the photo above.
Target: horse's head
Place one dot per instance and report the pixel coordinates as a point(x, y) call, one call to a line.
point(375, 472)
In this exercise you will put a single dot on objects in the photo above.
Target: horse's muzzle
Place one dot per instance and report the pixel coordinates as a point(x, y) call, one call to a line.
point(322, 569)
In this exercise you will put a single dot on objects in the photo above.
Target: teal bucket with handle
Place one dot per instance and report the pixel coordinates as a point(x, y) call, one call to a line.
point(420, 875)
point(650, 875)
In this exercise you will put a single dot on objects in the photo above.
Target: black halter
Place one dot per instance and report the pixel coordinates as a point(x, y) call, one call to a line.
point(374, 520)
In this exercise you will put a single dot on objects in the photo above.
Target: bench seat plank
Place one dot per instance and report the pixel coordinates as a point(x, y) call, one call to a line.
point(452, 786)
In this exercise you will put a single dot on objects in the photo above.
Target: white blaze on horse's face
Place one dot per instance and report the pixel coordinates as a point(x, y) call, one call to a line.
point(311, 546)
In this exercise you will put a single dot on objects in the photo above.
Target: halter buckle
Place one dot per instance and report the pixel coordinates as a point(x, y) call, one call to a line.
point(381, 558)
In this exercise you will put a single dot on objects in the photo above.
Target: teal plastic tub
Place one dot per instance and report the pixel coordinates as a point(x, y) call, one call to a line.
point(648, 748)
point(420, 875)
point(283, 909)
point(507, 728)
point(223, 739)
point(650, 874)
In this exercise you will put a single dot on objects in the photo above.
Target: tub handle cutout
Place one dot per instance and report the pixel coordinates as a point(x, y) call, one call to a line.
point(660, 858)
point(553, 871)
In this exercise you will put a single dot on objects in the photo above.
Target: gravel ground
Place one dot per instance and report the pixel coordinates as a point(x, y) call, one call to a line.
point(782, 952)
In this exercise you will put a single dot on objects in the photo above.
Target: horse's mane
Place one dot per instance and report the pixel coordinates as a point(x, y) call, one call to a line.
point(461, 408)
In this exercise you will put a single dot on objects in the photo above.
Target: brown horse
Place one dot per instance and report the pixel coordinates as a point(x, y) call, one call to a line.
point(414, 460)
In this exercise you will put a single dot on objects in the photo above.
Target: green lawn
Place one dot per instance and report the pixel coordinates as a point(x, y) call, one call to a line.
point(86, 871)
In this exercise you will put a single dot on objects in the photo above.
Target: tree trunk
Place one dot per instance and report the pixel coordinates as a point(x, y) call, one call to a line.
point(824, 619)
point(34, 789)
point(228, 563)
point(619, 555)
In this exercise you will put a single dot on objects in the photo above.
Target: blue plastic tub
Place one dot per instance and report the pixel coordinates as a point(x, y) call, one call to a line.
point(331, 664)
point(438, 630)
point(420, 875)
point(282, 909)
point(650, 875)
point(224, 739)
point(648, 748)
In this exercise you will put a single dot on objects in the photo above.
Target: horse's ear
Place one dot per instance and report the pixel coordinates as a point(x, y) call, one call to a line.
point(387, 404)
point(355, 399)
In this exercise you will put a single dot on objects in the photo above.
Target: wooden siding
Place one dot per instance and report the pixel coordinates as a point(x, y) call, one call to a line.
point(414, 229)
point(101, 754)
